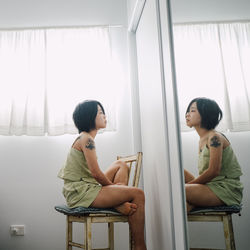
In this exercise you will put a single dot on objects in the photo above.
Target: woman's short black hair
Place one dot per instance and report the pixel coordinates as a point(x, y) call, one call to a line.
point(84, 115)
point(209, 110)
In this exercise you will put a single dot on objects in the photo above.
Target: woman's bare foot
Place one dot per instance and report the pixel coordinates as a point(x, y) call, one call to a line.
point(126, 208)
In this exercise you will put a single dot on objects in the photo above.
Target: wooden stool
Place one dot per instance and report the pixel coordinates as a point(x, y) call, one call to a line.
point(217, 214)
point(99, 215)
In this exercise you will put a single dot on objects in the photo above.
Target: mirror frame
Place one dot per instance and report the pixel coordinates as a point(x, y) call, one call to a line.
point(136, 15)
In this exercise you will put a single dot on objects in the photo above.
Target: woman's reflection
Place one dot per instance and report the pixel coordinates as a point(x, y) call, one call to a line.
point(218, 182)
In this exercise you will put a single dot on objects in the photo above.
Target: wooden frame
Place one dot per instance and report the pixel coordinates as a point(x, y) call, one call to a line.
point(132, 161)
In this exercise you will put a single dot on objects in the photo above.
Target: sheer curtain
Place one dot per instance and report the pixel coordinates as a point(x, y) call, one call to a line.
point(213, 60)
point(44, 73)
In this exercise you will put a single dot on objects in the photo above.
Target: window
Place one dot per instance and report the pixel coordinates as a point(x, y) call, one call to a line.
point(213, 60)
point(44, 73)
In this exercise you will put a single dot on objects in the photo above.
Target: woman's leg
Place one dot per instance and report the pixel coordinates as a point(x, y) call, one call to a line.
point(114, 196)
point(118, 173)
point(200, 195)
point(188, 176)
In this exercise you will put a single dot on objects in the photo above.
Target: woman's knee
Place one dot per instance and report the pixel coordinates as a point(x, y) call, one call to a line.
point(187, 187)
point(139, 194)
point(188, 176)
point(122, 164)
point(188, 190)
point(194, 192)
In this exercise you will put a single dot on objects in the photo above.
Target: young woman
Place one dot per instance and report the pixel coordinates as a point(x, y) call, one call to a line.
point(86, 185)
point(218, 182)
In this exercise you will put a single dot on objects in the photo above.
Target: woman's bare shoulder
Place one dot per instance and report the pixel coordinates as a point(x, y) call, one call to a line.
point(86, 141)
point(216, 139)
point(84, 136)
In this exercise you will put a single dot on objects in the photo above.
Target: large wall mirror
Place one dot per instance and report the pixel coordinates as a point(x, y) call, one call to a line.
point(159, 128)
point(212, 58)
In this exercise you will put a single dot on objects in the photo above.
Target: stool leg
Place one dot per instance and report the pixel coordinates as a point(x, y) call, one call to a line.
point(228, 232)
point(111, 235)
point(88, 234)
point(68, 233)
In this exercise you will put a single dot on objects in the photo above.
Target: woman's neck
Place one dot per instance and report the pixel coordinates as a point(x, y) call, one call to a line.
point(202, 132)
point(93, 133)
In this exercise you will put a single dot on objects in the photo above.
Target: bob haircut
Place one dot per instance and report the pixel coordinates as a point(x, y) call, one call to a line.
point(84, 115)
point(209, 110)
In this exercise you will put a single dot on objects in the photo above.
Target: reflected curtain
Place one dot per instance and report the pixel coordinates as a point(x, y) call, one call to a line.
point(44, 73)
point(213, 60)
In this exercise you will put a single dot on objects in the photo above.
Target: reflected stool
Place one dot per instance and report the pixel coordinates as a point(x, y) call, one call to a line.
point(217, 214)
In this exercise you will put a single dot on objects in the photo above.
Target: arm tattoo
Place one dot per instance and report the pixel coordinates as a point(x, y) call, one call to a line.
point(215, 142)
point(90, 144)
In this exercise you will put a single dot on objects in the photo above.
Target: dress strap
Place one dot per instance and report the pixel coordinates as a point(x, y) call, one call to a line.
point(76, 140)
point(224, 137)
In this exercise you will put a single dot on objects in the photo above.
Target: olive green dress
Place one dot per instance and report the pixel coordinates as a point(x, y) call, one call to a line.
point(227, 185)
point(80, 187)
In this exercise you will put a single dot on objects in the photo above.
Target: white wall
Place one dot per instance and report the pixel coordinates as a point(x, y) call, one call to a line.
point(29, 187)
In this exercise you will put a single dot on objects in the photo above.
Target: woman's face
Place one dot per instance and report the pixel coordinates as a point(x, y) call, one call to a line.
point(193, 118)
point(100, 120)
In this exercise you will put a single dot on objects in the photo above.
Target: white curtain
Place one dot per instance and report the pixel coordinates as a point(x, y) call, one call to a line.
point(213, 60)
point(44, 73)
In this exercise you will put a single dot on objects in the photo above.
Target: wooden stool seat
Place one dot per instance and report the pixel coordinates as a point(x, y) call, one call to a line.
point(217, 214)
point(99, 215)
point(88, 216)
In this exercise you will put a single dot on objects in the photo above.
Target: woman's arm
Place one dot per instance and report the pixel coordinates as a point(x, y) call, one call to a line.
point(88, 147)
point(215, 145)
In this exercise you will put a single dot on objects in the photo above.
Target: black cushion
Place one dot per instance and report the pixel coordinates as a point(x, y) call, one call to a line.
point(228, 209)
point(85, 210)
